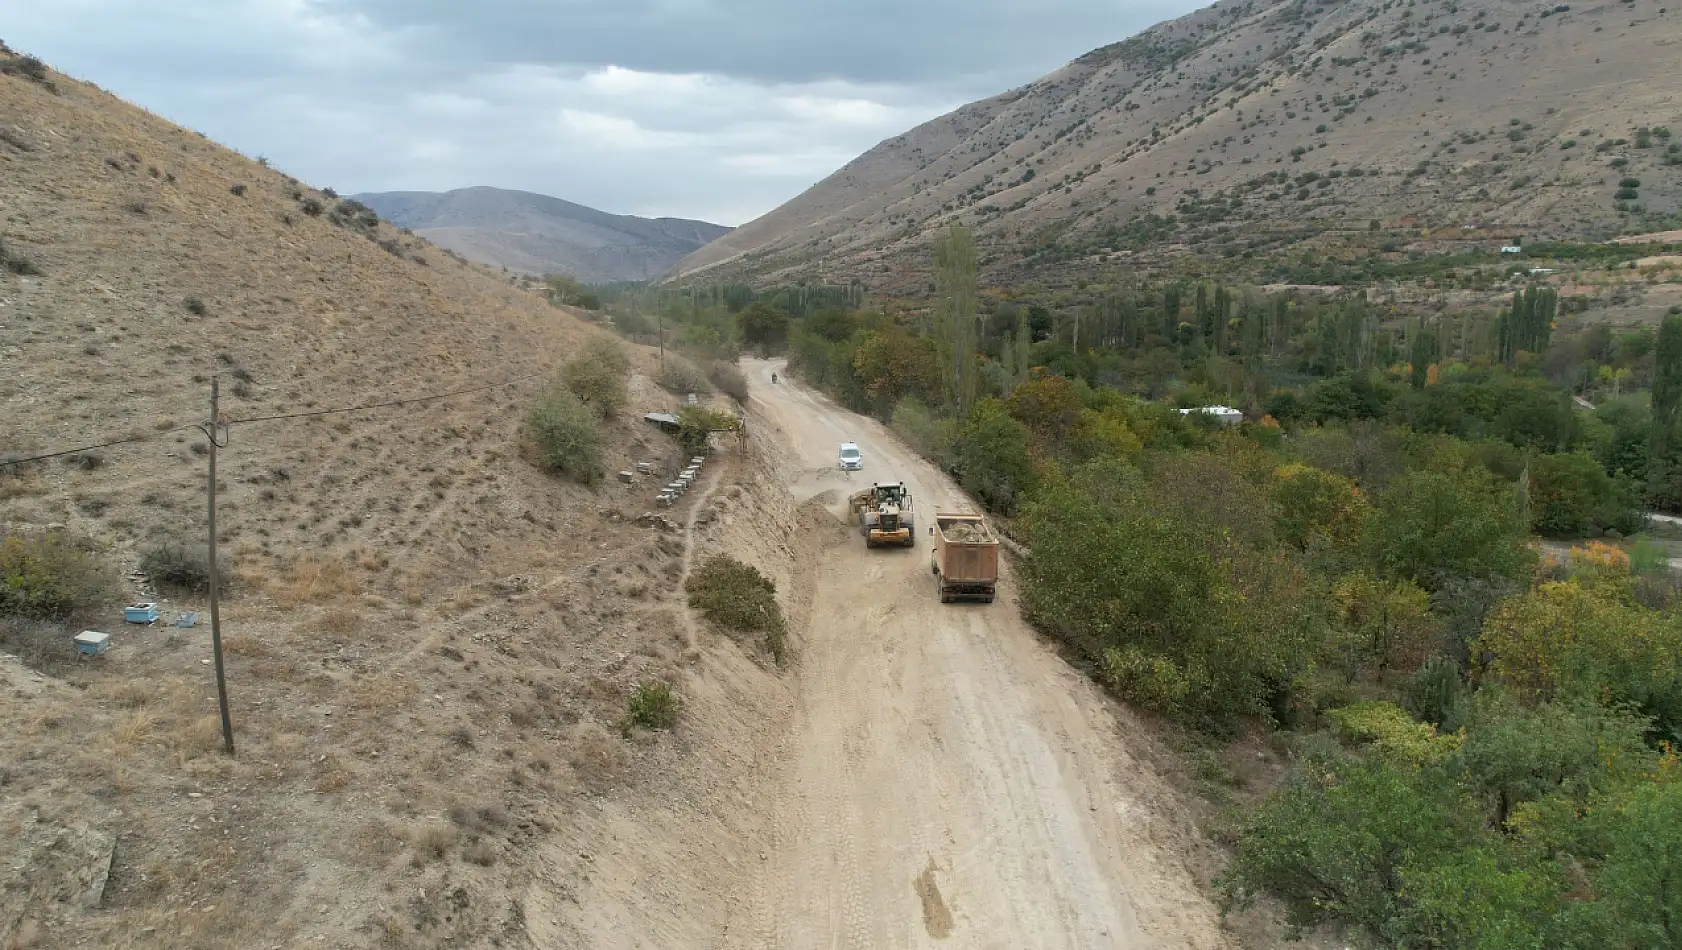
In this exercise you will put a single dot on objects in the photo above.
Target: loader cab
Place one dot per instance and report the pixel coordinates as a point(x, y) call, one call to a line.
point(894, 494)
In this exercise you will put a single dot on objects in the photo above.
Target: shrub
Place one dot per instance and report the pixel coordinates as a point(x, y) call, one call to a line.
point(1335, 843)
point(238, 191)
point(180, 566)
point(653, 706)
point(566, 435)
point(311, 207)
point(41, 645)
point(929, 435)
point(680, 376)
point(738, 597)
point(1395, 736)
point(597, 376)
point(696, 424)
point(1626, 194)
point(730, 381)
point(194, 306)
point(51, 575)
point(634, 325)
point(1435, 691)
point(29, 67)
point(1630, 183)
point(16, 263)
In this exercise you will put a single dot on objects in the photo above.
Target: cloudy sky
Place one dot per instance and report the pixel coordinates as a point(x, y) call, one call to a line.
point(713, 109)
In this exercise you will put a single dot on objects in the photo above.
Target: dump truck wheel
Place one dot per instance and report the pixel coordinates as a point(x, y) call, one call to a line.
point(989, 599)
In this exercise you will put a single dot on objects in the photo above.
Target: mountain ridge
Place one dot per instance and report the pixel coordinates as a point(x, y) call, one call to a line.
point(541, 234)
point(1288, 121)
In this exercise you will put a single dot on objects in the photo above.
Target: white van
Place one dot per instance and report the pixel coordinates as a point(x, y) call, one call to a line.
point(852, 459)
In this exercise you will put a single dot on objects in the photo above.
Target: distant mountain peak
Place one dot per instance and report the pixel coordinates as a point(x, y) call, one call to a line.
point(540, 234)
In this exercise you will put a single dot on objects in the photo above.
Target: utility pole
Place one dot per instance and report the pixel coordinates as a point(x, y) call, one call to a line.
point(215, 575)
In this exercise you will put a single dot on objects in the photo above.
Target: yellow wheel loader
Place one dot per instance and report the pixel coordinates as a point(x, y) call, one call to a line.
point(884, 515)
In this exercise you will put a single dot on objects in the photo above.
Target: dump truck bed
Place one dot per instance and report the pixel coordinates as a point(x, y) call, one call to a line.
point(965, 559)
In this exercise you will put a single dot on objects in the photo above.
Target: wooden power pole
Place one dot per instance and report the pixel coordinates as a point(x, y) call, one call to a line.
point(215, 576)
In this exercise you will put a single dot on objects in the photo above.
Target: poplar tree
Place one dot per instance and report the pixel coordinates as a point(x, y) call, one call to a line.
point(1664, 448)
point(955, 315)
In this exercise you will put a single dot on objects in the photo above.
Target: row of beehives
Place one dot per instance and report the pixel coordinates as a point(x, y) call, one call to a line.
point(676, 488)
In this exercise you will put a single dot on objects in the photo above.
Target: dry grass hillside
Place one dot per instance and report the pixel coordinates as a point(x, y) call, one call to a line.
point(431, 643)
point(1253, 126)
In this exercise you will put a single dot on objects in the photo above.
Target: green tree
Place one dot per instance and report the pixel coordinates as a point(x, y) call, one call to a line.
point(1572, 496)
point(761, 324)
point(994, 462)
point(563, 288)
point(1312, 507)
point(1664, 453)
point(956, 303)
point(1482, 898)
point(1050, 407)
point(1339, 839)
point(1571, 637)
point(597, 376)
point(567, 435)
point(892, 364)
point(1638, 886)
point(1432, 527)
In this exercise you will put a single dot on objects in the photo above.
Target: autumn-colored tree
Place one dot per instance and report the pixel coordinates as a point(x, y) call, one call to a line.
point(1049, 406)
point(762, 324)
point(1312, 506)
point(1569, 637)
point(1105, 434)
point(891, 364)
point(1385, 627)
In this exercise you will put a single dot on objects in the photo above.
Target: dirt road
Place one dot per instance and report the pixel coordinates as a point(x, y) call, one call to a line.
point(950, 781)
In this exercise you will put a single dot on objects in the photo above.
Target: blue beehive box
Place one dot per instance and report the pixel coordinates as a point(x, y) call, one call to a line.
point(92, 642)
point(141, 613)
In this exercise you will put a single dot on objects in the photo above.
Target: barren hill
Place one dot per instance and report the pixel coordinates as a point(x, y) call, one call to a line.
point(430, 642)
point(1254, 126)
point(537, 234)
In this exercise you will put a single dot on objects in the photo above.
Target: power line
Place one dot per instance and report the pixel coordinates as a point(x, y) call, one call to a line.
point(7, 463)
point(88, 448)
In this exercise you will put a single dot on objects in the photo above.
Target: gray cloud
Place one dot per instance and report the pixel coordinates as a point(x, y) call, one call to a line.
point(718, 109)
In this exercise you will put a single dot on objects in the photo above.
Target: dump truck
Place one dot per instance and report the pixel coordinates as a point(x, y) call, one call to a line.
point(884, 515)
point(965, 559)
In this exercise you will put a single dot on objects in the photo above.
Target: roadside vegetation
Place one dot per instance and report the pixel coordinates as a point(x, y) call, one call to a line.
point(565, 426)
point(1420, 566)
point(737, 597)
